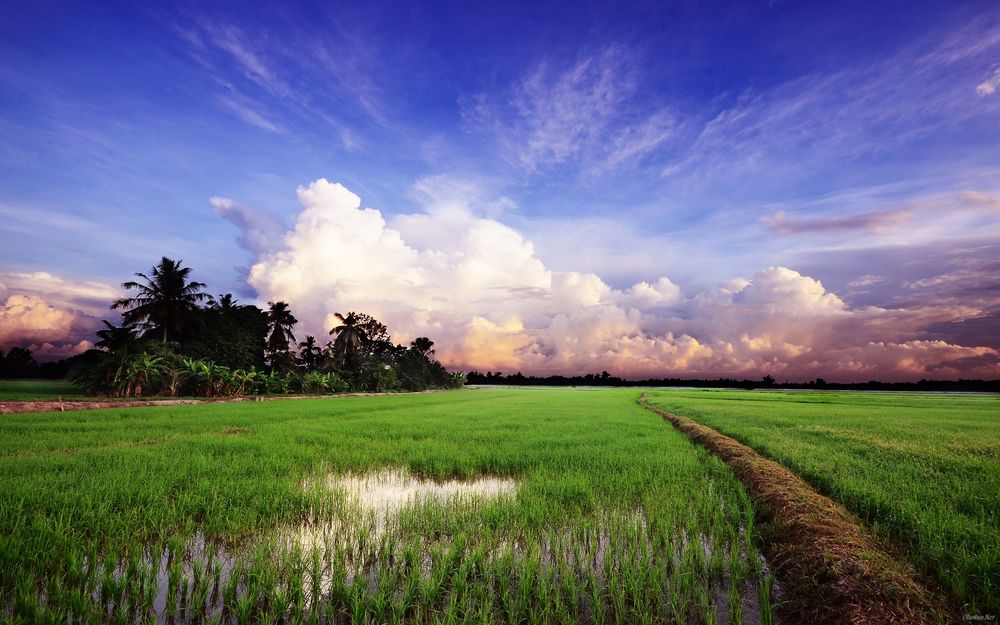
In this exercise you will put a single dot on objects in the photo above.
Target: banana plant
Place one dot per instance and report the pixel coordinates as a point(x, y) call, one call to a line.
point(144, 373)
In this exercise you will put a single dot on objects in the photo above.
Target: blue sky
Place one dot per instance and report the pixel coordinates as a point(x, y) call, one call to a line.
point(848, 142)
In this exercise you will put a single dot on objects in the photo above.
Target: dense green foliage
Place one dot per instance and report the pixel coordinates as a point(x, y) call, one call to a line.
point(157, 371)
point(922, 470)
point(617, 518)
point(231, 337)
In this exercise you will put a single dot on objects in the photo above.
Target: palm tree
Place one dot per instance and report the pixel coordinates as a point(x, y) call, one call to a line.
point(166, 301)
point(225, 303)
point(310, 353)
point(113, 337)
point(350, 338)
point(280, 321)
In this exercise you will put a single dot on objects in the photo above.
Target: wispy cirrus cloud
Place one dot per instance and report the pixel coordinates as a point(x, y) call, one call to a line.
point(246, 111)
point(586, 112)
point(858, 110)
point(866, 280)
point(309, 76)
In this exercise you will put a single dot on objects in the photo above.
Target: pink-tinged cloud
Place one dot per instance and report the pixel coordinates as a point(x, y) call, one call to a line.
point(478, 288)
point(53, 317)
point(27, 318)
point(876, 222)
point(967, 208)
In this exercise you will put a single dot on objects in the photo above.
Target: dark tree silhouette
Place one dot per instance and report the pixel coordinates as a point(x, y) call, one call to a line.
point(18, 363)
point(113, 337)
point(280, 322)
point(166, 299)
point(350, 339)
point(423, 346)
point(310, 353)
point(226, 303)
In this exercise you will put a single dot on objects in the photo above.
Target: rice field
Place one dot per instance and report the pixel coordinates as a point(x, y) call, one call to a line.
point(23, 390)
point(922, 470)
point(476, 506)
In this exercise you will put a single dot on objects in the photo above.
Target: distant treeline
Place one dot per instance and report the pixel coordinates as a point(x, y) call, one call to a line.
point(20, 363)
point(606, 379)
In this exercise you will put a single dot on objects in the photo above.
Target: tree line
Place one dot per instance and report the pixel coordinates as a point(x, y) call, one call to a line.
point(19, 362)
point(767, 382)
point(175, 339)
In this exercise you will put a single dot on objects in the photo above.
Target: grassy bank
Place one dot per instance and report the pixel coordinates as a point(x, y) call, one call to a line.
point(225, 509)
point(921, 470)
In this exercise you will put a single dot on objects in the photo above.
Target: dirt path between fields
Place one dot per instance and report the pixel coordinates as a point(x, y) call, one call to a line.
point(832, 569)
point(17, 407)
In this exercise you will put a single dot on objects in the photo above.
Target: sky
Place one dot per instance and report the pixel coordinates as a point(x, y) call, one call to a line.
point(798, 189)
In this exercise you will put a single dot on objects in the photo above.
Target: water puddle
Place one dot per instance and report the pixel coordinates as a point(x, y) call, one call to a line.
point(388, 491)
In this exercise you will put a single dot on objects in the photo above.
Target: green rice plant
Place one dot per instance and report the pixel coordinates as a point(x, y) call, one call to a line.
point(47, 390)
point(614, 516)
point(764, 596)
point(922, 470)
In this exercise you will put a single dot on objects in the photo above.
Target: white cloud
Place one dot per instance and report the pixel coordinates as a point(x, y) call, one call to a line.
point(990, 85)
point(478, 288)
point(866, 280)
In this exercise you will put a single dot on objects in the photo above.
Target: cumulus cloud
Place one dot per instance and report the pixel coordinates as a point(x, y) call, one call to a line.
point(87, 296)
point(50, 315)
point(477, 287)
point(50, 333)
point(28, 318)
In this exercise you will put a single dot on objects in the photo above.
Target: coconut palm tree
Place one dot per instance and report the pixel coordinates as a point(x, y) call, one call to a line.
point(225, 303)
point(113, 337)
point(350, 339)
point(310, 353)
point(280, 321)
point(166, 299)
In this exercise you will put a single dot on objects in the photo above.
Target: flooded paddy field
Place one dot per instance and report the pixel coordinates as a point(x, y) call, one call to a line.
point(479, 506)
